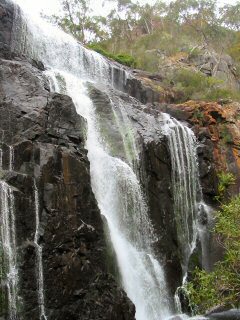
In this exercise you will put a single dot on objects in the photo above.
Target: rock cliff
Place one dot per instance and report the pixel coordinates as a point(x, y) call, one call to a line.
point(49, 172)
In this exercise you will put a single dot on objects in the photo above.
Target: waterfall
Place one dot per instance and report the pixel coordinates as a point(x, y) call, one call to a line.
point(122, 203)
point(8, 242)
point(9, 271)
point(39, 263)
point(185, 182)
point(39, 40)
point(114, 181)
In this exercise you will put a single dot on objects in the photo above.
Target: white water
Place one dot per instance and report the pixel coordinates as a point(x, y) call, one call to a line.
point(205, 211)
point(39, 263)
point(11, 158)
point(1, 158)
point(115, 185)
point(121, 201)
point(38, 39)
point(189, 206)
point(114, 182)
point(182, 144)
point(8, 241)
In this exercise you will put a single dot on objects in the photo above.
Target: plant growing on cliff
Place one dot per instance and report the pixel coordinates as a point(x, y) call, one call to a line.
point(124, 59)
point(225, 180)
point(226, 135)
point(222, 286)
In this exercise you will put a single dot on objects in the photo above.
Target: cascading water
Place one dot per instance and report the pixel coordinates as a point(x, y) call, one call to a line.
point(39, 264)
point(115, 184)
point(8, 244)
point(182, 144)
point(121, 201)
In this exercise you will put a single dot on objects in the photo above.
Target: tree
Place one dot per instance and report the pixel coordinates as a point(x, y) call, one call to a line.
point(230, 16)
point(199, 16)
point(77, 19)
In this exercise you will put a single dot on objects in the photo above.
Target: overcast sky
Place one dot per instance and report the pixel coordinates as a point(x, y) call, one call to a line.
point(52, 6)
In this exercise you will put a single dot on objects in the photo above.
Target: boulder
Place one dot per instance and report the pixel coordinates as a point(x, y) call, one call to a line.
point(233, 314)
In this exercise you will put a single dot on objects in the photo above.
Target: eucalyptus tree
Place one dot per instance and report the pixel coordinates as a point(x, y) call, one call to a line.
point(77, 18)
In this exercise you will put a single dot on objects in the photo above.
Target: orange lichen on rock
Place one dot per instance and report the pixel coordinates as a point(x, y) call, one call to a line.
point(206, 113)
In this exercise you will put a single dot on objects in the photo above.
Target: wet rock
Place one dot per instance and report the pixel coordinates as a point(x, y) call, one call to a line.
point(233, 314)
point(47, 138)
point(6, 22)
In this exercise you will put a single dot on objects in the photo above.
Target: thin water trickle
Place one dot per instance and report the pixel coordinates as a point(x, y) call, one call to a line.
point(1, 158)
point(8, 241)
point(39, 262)
point(11, 158)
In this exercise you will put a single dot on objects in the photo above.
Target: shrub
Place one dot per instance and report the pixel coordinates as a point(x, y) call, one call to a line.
point(124, 59)
point(222, 286)
point(194, 85)
point(225, 180)
point(226, 135)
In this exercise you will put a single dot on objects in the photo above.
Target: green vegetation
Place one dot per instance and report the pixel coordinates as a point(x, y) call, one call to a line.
point(225, 180)
point(194, 85)
point(124, 59)
point(225, 135)
point(222, 286)
point(147, 37)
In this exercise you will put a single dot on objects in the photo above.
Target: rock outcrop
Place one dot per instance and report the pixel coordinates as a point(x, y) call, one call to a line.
point(49, 172)
point(6, 23)
point(217, 129)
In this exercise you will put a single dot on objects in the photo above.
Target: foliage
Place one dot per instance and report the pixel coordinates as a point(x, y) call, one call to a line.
point(234, 50)
point(225, 180)
point(230, 16)
point(146, 36)
point(194, 85)
point(124, 59)
point(222, 286)
point(226, 135)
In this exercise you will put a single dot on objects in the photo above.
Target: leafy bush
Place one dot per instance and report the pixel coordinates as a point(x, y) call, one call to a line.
point(194, 85)
point(222, 286)
point(225, 180)
point(226, 135)
point(124, 59)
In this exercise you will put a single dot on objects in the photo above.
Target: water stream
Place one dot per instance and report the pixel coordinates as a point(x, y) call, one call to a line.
point(39, 264)
point(122, 202)
point(114, 181)
point(8, 243)
point(185, 182)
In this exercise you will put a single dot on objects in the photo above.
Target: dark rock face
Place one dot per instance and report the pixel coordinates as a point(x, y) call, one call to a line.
point(47, 136)
point(233, 314)
point(158, 186)
point(6, 22)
